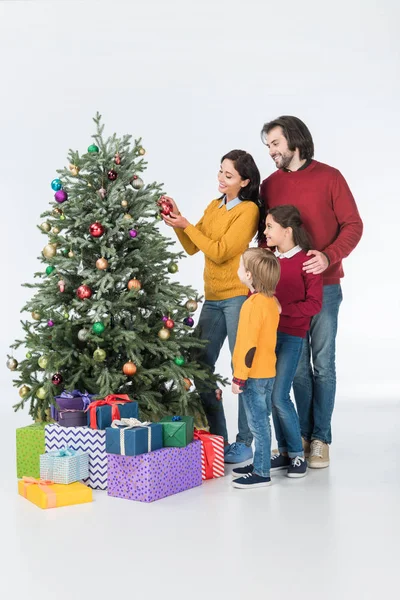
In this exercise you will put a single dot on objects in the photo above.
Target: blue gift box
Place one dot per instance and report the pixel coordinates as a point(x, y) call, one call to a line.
point(130, 410)
point(127, 441)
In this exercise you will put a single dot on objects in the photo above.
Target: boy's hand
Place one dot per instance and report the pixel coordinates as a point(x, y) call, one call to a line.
point(236, 389)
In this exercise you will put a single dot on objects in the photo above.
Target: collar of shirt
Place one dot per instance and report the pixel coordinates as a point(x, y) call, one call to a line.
point(230, 204)
point(287, 254)
point(306, 164)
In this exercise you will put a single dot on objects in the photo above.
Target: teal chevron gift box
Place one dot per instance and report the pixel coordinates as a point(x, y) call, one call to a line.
point(64, 466)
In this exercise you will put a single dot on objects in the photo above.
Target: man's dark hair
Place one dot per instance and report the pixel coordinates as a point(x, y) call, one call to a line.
point(296, 133)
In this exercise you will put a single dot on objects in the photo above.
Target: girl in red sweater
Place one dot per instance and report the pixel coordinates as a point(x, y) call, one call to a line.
point(300, 295)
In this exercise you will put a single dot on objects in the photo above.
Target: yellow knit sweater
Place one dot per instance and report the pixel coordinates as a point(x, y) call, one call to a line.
point(222, 235)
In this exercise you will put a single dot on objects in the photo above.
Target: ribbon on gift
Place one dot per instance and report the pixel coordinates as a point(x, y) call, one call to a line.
point(69, 410)
point(209, 452)
point(63, 452)
point(86, 398)
point(111, 400)
point(124, 424)
point(44, 485)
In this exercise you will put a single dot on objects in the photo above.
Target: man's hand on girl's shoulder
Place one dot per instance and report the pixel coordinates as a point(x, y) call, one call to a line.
point(318, 264)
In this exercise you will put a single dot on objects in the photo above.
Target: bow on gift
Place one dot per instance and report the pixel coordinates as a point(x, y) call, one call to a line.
point(43, 484)
point(63, 452)
point(124, 424)
point(111, 400)
point(176, 418)
point(209, 452)
point(86, 398)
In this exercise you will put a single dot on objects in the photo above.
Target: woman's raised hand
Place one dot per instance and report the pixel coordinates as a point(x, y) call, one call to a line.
point(168, 205)
point(172, 216)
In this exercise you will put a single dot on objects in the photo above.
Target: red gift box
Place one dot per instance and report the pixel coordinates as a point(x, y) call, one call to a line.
point(212, 454)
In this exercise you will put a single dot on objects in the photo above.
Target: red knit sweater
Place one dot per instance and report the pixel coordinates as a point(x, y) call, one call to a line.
point(300, 295)
point(327, 207)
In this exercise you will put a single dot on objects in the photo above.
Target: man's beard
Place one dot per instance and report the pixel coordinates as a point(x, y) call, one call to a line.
point(284, 161)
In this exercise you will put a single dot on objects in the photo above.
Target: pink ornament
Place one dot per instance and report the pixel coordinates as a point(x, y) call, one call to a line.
point(50, 323)
point(165, 318)
point(61, 196)
point(133, 233)
point(61, 285)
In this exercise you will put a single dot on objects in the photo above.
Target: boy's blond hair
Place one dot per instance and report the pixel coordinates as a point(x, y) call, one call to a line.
point(264, 268)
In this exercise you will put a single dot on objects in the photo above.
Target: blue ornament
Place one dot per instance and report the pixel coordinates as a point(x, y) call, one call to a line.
point(56, 185)
point(176, 418)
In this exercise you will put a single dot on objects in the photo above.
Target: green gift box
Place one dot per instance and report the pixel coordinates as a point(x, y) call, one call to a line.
point(177, 431)
point(30, 445)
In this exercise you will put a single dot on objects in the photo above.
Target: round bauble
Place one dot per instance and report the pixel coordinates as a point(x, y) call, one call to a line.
point(164, 334)
point(141, 151)
point(50, 323)
point(83, 292)
point(66, 315)
point(24, 391)
point(83, 335)
point(166, 206)
point(129, 368)
point(41, 393)
point(102, 192)
point(169, 324)
point(61, 196)
point(45, 227)
point(134, 284)
point(56, 185)
point(98, 327)
point(189, 322)
point(74, 170)
point(49, 269)
point(179, 360)
point(57, 379)
point(165, 318)
point(112, 175)
point(35, 315)
point(99, 355)
point(49, 251)
point(43, 361)
point(117, 159)
point(93, 149)
point(12, 364)
point(133, 233)
point(187, 383)
point(102, 264)
point(57, 212)
point(124, 203)
point(137, 182)
point(96, 229)
point(71, 254)
point(191, 305)
point(55, 230)
point(28, 355)
point(127, 217)
point(173, 268)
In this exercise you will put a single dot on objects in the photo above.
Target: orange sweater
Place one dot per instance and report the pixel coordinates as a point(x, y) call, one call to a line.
point(223, 235)
point(254, 354)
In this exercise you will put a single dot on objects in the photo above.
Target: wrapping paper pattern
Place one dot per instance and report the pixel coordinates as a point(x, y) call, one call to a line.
point(155, 475)
point(65, 495)
point(136, 440)
point(30, 445)
point(92, 441)
point(64, 469)
point(212, 454)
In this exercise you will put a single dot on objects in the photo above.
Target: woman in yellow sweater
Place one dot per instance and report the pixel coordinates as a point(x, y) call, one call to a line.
point(223, 234)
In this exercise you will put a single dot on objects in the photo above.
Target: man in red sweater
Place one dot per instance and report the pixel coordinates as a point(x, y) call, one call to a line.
point(330, 215)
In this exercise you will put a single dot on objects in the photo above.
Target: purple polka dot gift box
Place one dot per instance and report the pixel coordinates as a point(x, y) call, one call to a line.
point(155, 475)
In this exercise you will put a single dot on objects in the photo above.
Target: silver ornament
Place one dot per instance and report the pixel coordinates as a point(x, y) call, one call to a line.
point(12, 364)
point(102, 192)
point(137, 183)
point(83, 335)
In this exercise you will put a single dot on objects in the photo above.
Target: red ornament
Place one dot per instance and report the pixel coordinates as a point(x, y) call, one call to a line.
point(112, 175)
point(169, 324)
point(165, 205)
point(117, 159)
point(96, 229)
point(57, 379)
point(84, 292)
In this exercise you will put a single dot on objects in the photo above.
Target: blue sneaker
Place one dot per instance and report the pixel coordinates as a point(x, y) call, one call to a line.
point(238, 453)
point(279, 462)
point(251, 480)
point(298, 467)
point(240, 471)
point(227, 448)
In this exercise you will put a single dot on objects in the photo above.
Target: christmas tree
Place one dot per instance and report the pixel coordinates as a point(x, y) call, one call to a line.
point(105, 316)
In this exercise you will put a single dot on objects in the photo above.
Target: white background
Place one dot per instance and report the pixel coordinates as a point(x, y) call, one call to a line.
point(195, 81)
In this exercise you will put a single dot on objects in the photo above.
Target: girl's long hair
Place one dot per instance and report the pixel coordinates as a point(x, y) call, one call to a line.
point(289, 216)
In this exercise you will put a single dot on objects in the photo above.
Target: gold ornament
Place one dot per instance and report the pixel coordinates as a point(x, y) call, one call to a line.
point(35, 315)
point(124, 203)
point(43, 361)
point(191, 305)
point(57, 212)
point(164, 334)
point(24, 391)
point(45, 227)
point(71, 254)
point(74, 170)
point(41, 393)
point(127, 216)
point(102, 264)
point(49, 250)
point(142, 151)
point(55, 230)
point(12, 364)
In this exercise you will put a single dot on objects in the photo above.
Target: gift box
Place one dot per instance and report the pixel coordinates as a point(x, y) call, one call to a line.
point(74, 400)
point(92, 441)
point(72, 418)
point(46, 494)
point(130, 437)
point(64, 466)
point(177, 431)
point(155, 475)
point(101, 413)
point(212, 454)
point(30, 445)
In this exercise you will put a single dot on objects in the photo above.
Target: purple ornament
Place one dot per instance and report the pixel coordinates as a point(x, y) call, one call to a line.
point(50, 323)
point(165, 318)
point(61, 196)
point(188, 321)
point(133, 233)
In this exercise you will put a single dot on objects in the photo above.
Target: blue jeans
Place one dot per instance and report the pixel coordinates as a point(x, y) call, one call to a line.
point(315, 385)
point(286, 421)
point(219, 319)
point(257, 401)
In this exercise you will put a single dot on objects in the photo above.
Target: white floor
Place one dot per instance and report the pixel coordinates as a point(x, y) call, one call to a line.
point(332, 535)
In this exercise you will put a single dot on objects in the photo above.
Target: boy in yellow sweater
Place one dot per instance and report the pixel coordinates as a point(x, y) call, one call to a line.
point(254, 360)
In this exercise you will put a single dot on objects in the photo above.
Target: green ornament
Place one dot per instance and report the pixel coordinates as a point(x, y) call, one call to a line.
point(43, 361)
point(49, 269)
point(99, 355)
point(28, 355)
point(179, 360)
point(66, 315)
point(62, 217)
point(64, 251)
point(173, 268)
point(41, 393)
point(93, 149)
point(98, 327)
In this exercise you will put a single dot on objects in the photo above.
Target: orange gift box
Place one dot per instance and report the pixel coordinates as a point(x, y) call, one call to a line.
point(46, 494)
